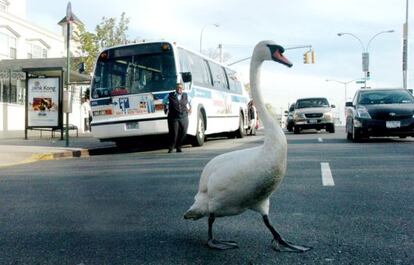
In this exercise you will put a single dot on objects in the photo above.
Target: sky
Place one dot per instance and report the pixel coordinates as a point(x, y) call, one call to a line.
point(244, 23)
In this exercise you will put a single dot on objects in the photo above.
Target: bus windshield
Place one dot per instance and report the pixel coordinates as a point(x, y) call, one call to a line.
point(134, 69)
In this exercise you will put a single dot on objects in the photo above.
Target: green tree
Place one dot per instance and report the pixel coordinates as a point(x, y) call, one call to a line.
point(108, 33)
point(248, 89)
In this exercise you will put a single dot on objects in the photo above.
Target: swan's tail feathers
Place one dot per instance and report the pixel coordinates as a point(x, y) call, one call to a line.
point(193, 214)
point(200, 207)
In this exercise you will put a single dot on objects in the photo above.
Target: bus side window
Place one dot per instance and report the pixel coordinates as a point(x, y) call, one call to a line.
point(234, 82)
point(184, 61)
point(207, 73)
point(219, 77)
point(200, 72)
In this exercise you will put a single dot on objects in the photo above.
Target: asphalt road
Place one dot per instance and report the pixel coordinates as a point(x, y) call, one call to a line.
point(126, 207)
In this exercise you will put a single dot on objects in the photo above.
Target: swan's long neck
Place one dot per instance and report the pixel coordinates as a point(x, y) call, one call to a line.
point(274, 135)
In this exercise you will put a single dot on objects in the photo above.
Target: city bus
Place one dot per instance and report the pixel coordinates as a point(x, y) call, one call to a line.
point(130, 82)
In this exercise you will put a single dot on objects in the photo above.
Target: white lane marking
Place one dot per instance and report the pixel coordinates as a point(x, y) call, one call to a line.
point(327, 179)
point(320, 140)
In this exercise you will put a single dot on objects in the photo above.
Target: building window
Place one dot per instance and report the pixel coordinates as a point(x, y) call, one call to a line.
point(4, 5)
point(12, 86)
point(12, 47)
point(36, 51)
point(8, 46)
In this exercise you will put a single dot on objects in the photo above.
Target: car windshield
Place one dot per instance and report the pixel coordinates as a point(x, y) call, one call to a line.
point(311, 103)
point(385, 97)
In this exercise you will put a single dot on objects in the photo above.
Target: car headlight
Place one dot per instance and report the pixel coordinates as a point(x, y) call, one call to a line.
point(299, 116)
point(362, 112)
point(328, 115)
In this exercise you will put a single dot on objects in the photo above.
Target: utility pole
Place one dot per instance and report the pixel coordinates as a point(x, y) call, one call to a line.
point(220, 46)
point(405, 49)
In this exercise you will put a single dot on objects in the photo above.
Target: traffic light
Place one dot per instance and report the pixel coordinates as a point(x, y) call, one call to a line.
point(313, 56)
point(306, 58)
point(309, 57)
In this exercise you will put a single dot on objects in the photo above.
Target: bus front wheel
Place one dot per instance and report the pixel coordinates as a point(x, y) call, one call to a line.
point(240, 133)
point(200, 136)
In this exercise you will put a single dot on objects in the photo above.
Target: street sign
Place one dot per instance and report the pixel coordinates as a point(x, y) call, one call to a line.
point(360, 82)
point(365, 62)
point(69, 16)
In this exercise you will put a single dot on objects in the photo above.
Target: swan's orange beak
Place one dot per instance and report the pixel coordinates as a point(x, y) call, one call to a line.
point(277, 55)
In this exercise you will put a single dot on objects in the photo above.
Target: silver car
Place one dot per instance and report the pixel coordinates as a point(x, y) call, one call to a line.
point(313, 113)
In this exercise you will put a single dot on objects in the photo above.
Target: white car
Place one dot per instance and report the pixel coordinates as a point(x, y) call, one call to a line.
point(313, 113)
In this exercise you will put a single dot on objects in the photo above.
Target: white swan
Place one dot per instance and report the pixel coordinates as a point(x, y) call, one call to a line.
point(236, 181)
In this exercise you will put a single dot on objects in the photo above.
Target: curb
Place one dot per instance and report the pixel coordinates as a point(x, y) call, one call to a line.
point(67, 154)
point(51, 156)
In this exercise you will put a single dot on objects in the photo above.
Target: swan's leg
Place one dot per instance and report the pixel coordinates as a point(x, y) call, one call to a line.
point(214, 243)
point(279, 244)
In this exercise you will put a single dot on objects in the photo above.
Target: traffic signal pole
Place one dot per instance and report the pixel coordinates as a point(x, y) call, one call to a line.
point(289, 48)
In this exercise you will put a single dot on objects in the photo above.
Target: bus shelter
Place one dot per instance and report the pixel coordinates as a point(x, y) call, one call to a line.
point(43, 82)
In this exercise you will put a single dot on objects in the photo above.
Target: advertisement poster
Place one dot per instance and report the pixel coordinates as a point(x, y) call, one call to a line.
point(43, 102)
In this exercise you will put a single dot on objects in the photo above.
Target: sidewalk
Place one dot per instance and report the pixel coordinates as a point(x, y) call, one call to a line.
point(14, 149)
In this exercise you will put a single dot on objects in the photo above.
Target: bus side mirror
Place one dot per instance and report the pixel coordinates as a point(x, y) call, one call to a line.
point(186, 77)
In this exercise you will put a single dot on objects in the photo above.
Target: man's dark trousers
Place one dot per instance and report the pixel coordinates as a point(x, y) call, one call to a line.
point(177, 120)
point(178, 130)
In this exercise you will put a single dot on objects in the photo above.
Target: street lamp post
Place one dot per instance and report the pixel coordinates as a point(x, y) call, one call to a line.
point(365, 53)
point(405, 50)
point(69, 20)
point(201, 33)
point(345, 83)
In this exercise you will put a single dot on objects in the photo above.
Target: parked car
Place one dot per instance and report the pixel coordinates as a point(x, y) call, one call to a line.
point(380, 112)
point(289, 118)
point(313, 113)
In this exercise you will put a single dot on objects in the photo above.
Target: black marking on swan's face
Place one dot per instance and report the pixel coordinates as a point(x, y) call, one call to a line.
point(276, 52)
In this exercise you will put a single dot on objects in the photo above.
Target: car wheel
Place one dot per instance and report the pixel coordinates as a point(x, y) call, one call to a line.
point(349, 136)
point(200, 136)
point(356, 135)
point(348, 132)
point(296, 130)
point(331, 128)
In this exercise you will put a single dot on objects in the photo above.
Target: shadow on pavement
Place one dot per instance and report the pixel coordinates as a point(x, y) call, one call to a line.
point(145, 144)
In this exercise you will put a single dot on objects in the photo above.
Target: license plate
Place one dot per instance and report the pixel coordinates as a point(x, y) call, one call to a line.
point(132, 125)
point(393, 124)
point(313, 121)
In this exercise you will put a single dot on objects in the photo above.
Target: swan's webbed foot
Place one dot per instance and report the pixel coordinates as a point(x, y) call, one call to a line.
point(285, 246)
point(279, 244)
point(214, 243)
point(221, 244)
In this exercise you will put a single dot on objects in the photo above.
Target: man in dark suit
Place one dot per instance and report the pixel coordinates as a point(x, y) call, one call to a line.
point(177, 106)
